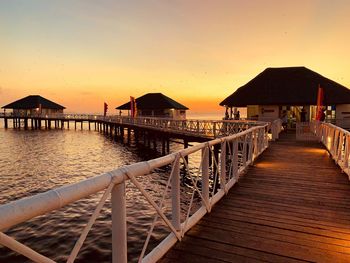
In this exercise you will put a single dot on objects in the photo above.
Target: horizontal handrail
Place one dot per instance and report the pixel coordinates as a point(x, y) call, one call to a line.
point(202, 128)
point(231, 156)
point(337, 142)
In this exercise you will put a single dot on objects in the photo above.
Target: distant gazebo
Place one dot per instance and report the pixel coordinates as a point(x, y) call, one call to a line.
point(156, 105)
point(277, 91)
point(34, 105)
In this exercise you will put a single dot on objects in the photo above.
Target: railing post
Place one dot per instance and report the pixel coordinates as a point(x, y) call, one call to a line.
point(346, 151)
point(266, 138)
point(223, 165)
point(119, 230)
point(250, 150)
point(175, 195)
point(340, 147)
point(214, 129)
point(235, 159)
point(256, 134)
point(335, 140)
point(205, 176)
point(244, 151)
point(273, 132)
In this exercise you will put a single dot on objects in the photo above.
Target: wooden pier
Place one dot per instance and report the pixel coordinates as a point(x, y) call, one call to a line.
point(282, 201)
point(152, 132)
point(293, 205)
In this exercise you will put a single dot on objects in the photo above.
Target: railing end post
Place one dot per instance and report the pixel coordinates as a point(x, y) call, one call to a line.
point(119, 228)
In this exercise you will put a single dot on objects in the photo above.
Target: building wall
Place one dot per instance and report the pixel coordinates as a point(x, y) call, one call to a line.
point(179, 114)
point(176, 114)
point(36, 112)
point(342, 111)
point(342, 115)
point(166, 113)
point(263, 112)
point(252, 111)
point(269, 112)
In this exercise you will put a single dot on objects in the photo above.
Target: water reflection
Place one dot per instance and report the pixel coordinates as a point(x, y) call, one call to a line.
point(32, 162)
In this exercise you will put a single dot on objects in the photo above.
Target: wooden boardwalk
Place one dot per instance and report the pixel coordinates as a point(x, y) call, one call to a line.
point(293, 205)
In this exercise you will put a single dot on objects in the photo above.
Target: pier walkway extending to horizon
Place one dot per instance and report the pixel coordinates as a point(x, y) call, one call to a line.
point(189, 129)
point(293, 205)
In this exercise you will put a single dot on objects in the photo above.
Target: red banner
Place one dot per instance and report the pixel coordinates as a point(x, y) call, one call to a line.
point(105, 108)
point(132, 107)
point(320, 97)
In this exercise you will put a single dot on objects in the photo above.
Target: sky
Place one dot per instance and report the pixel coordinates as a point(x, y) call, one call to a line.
point(82, 53)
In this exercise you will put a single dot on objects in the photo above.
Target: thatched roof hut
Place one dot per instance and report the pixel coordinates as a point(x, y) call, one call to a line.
point(33, 102)
point(34, 105)
point(287, 86)
point(157, 105)
point(154, 101)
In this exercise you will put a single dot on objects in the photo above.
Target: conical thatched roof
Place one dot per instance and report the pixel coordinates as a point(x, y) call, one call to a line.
point(154, 101)
point(287, 86)
point(32, 102)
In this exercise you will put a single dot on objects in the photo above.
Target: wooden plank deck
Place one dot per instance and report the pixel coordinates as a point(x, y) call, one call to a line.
point(293, 205)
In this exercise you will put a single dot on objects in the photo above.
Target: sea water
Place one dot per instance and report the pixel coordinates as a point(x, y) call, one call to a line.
point(34, 161)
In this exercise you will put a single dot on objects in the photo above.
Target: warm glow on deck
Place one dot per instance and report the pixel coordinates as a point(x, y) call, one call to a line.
point(315, 150)
point(264, 164)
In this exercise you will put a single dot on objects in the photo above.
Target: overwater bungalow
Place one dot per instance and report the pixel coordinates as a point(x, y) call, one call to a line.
point(156, 105)
point(33, 105)
point(277, 91)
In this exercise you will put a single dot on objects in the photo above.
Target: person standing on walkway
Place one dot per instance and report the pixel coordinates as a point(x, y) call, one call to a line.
point(237, 115)
point(284, 119)
point(303, 115)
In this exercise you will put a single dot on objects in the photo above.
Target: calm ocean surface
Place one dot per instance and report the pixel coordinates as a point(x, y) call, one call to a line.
point(32, 162)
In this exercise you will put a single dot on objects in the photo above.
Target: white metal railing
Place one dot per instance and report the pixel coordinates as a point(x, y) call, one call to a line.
point(305, 131)
point(202, 128)
point(337, 142)
point(221, 163)
point(208, 128)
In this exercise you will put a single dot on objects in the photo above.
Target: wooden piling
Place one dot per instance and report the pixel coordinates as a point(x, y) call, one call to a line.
point(154, 142)
point(136, 136)
point(25, 123)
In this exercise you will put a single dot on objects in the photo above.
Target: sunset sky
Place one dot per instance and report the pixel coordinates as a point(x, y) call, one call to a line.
point(81, 53)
